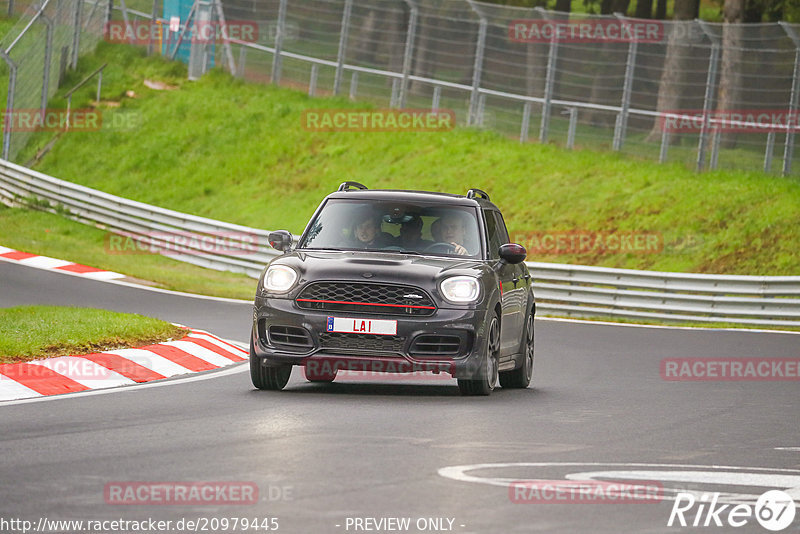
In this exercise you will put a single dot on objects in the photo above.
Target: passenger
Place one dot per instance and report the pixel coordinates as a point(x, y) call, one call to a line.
point(450, 229)
point(410, 237)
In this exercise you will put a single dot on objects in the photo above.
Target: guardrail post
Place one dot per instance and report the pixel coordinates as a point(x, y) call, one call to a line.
point(312, 82)
point(48, 54)
point(526, 120)
point(552, 58)
point(280, 29)
point(76, 35)
point(788, 146)
point(711, 81)
point(8, 119)
point(408, 53)
point(337, 80)
point(621, 125)
point(477, 67)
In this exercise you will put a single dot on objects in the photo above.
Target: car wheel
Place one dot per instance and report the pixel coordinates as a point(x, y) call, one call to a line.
point(268, 377)
point(488, 375)
point(521, 377)
point(315, 372)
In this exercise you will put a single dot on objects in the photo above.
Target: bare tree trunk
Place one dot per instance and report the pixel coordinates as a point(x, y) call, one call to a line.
point(661, 9)
point(730, 81)
point(644, 9)
point(676, 66)
point(601, 92)
point(563, 5)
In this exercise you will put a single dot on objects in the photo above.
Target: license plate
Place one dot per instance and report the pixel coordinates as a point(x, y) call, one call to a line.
point(352, 325)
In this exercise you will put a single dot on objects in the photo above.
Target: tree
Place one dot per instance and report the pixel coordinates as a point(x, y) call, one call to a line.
point(644, 9)
point(730, 81)
point(676, 65)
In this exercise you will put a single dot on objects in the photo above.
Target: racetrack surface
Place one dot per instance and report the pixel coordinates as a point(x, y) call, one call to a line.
point(320, 454)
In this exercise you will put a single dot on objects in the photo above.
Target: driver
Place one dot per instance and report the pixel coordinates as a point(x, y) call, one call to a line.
point(451, 229)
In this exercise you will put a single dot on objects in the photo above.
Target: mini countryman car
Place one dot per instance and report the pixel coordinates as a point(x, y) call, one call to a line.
point(396, 281)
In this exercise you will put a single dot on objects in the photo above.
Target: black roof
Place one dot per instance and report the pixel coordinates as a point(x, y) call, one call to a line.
point(412, 196)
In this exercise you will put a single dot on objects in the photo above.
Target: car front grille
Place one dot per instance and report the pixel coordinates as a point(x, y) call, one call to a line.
point(361, 342)
point(431, 345)
point(374, 298)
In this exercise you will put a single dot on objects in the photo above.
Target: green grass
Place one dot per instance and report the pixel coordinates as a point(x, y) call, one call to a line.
point(55, 236)
point(237, 152)
point(34, 332)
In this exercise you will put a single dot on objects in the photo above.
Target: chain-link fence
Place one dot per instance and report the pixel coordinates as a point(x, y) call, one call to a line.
point(46, 40)
point(705, 94)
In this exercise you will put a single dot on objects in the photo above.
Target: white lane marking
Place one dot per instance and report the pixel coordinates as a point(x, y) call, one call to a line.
point(152, 361)
point(208, 375)
point(10, 389)
point(219, 343)
point(460, 472)
point(84, 372)
point(201, 352)
point(43, 262)
point(795, 449)
point(103, 275)
point(666, 327)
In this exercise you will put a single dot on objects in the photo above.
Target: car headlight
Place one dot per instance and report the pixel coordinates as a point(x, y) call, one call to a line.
point(279, 278)
point(461, 289)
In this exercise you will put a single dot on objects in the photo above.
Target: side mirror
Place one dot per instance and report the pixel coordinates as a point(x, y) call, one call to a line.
point(512, 253)
point(281, 240)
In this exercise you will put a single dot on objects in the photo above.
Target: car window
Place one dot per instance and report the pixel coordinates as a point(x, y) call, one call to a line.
point(430, 229)
point(502, 231)
point(494, 235)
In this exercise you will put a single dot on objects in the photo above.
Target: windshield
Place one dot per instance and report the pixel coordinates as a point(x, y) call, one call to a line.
point(416, 228)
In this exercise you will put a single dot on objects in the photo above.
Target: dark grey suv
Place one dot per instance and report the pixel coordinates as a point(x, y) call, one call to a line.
point(396, 281)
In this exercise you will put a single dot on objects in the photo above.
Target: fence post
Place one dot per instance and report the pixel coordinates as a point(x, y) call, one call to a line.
point(477, 68)
point(711, 81)
point(242, 61)
point(573, 126)
point(621, 126)
point(226, 42)
point(280, 28)
point(526, 120)
point(337, 80)
point(153, 25)
point(48, 53)
point(312, 82)
point(7, 120)
point(109, 13)
point(353, 85)
point(408, 53)
point(788, 146)
point(549, 83)
point(769, 150)
point(76, 35)
point(437, 97)
point(10, 8)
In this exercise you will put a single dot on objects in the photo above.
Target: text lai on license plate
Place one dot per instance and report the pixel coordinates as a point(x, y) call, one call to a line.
point(353, 325)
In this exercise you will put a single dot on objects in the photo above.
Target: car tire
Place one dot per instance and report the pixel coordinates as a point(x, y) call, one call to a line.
point(268, 377)
point(488, 375)
point(520, 378)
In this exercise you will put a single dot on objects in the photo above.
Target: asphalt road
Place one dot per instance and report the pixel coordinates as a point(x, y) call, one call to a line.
point(324, 457)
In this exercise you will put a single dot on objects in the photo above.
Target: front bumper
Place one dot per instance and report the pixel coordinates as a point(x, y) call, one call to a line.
point(359, 352)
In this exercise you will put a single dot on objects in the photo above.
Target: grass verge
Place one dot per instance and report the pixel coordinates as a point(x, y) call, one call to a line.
point(34, 332)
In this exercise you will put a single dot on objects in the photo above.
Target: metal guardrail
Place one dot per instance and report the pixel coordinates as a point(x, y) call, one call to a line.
point(571, 290)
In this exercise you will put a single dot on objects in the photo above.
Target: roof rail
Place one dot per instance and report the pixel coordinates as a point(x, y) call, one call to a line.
point(346, 186)
point(473, 193)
